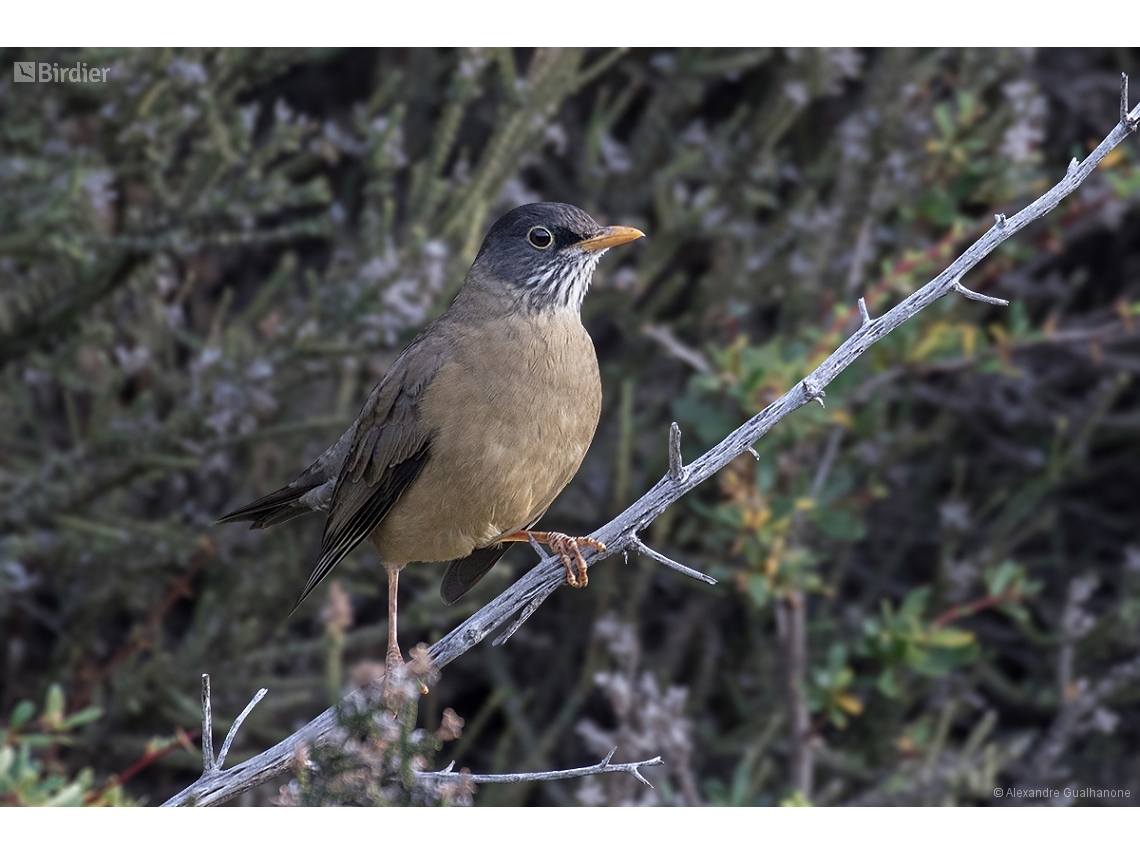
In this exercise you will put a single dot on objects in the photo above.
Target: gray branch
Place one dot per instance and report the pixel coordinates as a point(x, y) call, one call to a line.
point(959, 288)
point(636, 545)
point(621, 533)
point(600, 768)
point(676, 467)
point(212, 766)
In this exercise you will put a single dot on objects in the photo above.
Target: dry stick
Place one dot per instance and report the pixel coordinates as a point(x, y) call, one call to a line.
point(621, 533)
point(791, 620)
point(600, 768)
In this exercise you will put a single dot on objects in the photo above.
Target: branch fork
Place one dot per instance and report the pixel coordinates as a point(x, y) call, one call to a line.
point(211, 765)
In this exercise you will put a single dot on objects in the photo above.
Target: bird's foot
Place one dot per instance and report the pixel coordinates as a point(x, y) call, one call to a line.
point(394, 660)
point(393, 694)
point(569, 549)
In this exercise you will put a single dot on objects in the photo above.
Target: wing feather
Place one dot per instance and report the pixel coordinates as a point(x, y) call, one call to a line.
point(389, 449)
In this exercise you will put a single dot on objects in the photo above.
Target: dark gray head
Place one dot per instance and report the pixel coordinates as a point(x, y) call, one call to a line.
point(546, 253)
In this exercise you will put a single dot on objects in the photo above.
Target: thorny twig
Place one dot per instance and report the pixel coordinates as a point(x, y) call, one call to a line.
point(600, 768)
point(620, 534)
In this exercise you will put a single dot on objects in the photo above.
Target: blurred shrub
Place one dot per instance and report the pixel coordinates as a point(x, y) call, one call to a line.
point(30, 771)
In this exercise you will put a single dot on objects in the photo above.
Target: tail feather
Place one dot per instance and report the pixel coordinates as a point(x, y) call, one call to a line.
point(462, 573)
point(272, 509)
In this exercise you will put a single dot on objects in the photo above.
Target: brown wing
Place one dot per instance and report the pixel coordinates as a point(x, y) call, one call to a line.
point(388, 451)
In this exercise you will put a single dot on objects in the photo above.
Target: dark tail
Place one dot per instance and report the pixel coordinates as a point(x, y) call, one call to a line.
point(462, 573)
point(272, 509)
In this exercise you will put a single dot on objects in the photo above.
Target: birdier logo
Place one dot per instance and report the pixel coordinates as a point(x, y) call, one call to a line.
point(51, 72)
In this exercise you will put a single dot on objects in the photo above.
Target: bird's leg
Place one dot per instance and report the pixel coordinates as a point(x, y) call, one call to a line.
point(568, 548)
point(394, 659)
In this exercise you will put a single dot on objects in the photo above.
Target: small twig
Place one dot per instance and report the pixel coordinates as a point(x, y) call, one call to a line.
point(676, 467)
point(826, 462)
point(791, 621)
point(537, 547)
point(209, 766)
point(677, 348)
point(863, 313)
point(638, 546)
point(1130, 122)
point(182, 739)
point(1010, 595)
point(1000, 221)
point(814, 391)
point(238, 723)
point(529, 609)
point(601, 768)
point(981, 298)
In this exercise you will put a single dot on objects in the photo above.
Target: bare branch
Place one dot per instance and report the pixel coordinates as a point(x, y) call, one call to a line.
point(621, 533)
point(676, 468)
point(676, 348)
point(791, 622)
point(209, 765)
point(1128, 120)
point(826, 462)
point(529, 609)
point(600, 768)
point(212, 767)
point(537, 547)
point(959, 288)
point(637, 546)
point(238, 723)
point(863, 313)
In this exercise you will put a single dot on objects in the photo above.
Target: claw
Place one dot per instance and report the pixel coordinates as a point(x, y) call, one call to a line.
point(569, 550)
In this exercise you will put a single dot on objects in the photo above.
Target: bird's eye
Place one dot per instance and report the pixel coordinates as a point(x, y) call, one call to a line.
point(540, 238)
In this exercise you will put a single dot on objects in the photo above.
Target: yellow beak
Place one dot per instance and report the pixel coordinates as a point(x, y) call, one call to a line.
point(609, 236)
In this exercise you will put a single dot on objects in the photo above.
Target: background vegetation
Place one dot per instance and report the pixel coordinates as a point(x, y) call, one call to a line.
point(206, 263)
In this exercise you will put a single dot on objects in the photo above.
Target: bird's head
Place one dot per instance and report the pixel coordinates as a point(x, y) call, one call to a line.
point(544, 254)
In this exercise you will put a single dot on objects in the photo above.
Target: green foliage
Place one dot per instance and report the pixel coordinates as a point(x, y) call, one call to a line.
point(30, 771)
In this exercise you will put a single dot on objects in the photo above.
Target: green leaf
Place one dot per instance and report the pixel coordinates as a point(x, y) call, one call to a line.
point(838, 524)
point(1003, 577)
point(759, 590)
point(53, 705)
point(944, 120)
point(69, 796)
point(22, 714)
point(914, 604)
point(82, 717)
point(951, 637)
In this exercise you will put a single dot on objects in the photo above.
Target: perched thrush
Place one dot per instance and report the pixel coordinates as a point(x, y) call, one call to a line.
point(477, 426)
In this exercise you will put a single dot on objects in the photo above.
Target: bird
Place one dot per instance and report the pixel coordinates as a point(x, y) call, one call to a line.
point(477, 426)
